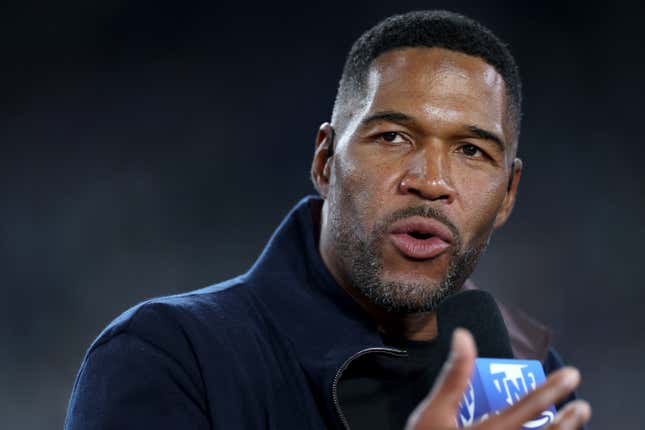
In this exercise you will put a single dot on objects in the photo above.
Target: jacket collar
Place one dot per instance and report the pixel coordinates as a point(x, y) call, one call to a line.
point(321, 322)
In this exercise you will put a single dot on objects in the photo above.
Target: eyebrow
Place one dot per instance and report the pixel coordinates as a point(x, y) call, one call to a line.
point(400, 117)
point(392, 116)
point(488, 135)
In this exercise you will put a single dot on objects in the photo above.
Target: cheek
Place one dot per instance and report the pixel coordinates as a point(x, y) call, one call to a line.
point(359, 190)
point(481, 197)
point(349, 194)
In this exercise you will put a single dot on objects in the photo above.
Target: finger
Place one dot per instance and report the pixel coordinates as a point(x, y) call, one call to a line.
point(440, 407)
point(456, 372)
point(557, 387)
point(572, 417)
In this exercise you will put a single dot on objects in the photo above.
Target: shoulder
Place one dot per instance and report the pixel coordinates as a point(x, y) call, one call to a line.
point(152, 358)
point(171, 323)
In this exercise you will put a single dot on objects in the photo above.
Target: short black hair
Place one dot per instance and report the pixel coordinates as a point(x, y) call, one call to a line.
point(434, 28)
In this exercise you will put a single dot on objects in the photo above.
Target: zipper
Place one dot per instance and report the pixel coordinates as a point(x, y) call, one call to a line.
point(343, 367)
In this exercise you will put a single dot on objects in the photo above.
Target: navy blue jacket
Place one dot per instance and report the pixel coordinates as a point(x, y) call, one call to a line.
point(264, 350)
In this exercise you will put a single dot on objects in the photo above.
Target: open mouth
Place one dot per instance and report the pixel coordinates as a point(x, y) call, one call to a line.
point(420, 238)
point(419, 235)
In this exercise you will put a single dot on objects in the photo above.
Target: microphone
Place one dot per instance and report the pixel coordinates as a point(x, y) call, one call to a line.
point(499, 380)
point(476, 311)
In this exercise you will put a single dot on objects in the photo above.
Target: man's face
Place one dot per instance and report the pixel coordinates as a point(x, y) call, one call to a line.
point(419, 178)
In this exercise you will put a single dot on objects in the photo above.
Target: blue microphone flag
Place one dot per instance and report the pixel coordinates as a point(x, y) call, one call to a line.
point(498, 383)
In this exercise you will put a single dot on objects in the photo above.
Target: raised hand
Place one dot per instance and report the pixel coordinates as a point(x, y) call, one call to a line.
point(439, 409)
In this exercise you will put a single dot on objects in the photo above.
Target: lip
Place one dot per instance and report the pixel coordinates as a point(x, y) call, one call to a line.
point(422, 249)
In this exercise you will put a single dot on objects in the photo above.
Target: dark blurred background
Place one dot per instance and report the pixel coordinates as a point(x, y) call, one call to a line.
point(151, 148)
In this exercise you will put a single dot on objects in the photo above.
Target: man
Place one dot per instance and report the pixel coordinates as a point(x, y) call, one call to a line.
point(335, 324)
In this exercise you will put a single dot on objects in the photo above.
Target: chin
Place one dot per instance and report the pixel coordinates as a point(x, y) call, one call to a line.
point(430, 272)
point(411, 278)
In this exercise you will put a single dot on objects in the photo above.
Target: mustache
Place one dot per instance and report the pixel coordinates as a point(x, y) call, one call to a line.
point(423, 211)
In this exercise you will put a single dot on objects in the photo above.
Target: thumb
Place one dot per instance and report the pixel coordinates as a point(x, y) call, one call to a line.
point(439, 409)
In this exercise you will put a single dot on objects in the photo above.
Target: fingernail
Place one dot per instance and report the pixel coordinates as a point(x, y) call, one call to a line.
point(453, 354)
point(457, 332)
point(571, 377)
point(583, 410)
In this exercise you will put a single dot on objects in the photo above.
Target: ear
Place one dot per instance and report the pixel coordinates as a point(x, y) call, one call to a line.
point(321, 164)
point(511, 193)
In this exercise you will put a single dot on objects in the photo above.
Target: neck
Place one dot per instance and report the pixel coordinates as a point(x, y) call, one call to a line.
point(420, 326)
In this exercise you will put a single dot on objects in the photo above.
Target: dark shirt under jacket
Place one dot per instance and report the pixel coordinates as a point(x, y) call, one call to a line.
point(382, 392)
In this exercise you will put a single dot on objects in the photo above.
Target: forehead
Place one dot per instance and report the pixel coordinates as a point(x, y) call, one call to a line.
point(438, 84)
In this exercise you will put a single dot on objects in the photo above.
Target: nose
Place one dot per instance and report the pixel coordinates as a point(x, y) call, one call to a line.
point(428, 176)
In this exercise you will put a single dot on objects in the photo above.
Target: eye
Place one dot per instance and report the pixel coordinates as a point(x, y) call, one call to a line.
point(392, 137)
point(471, 150)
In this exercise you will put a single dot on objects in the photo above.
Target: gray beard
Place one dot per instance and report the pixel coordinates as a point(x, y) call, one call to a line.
point(365, 267)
